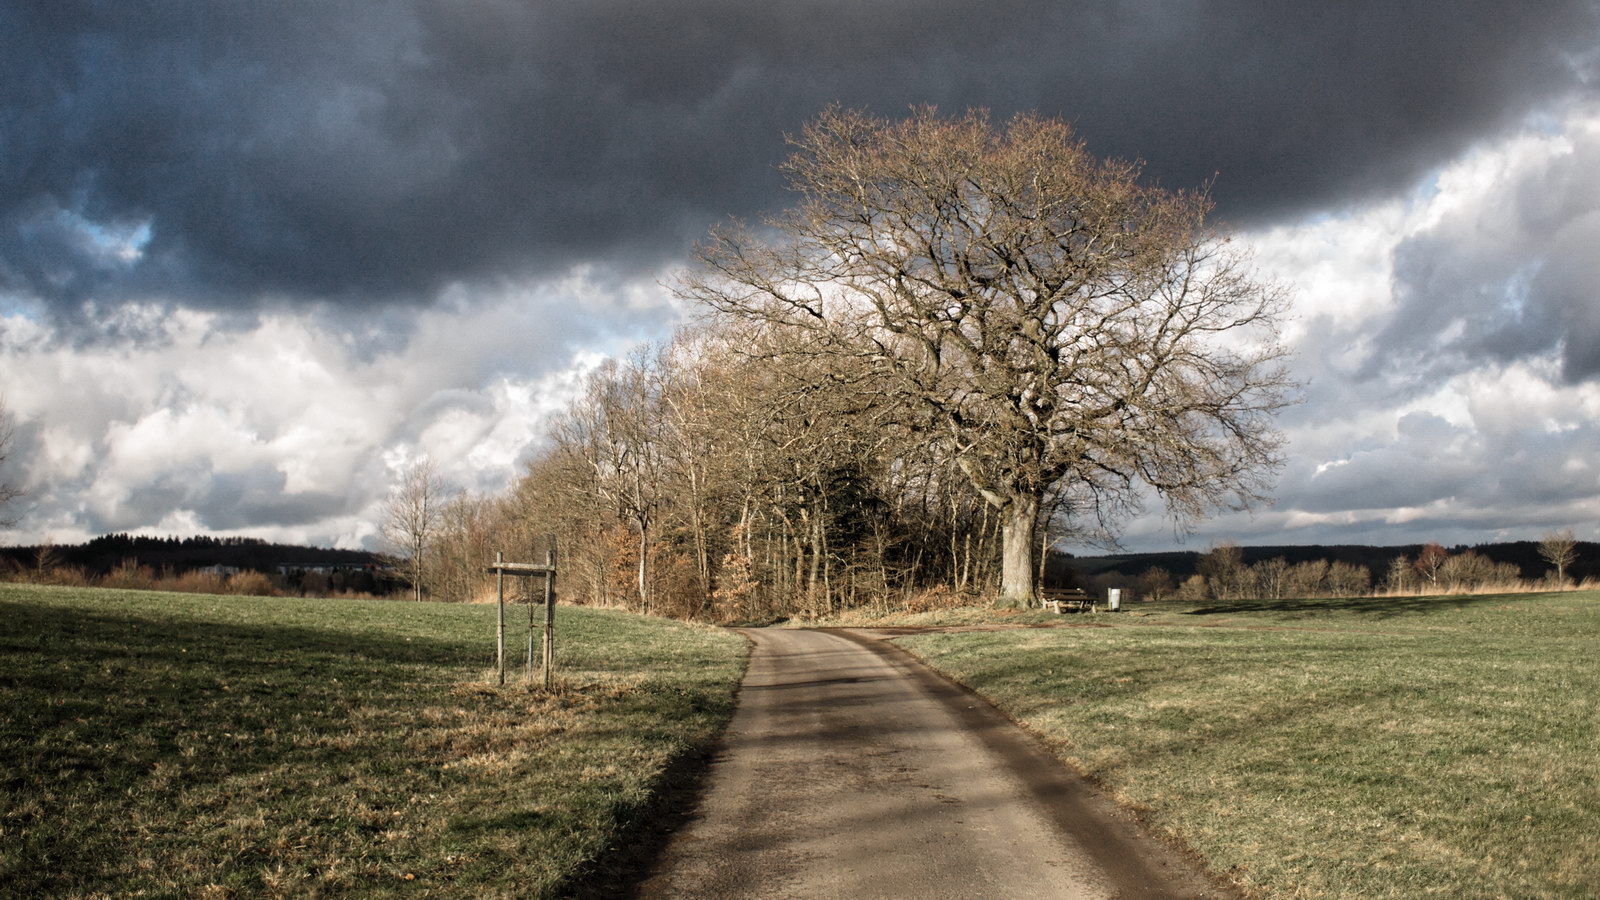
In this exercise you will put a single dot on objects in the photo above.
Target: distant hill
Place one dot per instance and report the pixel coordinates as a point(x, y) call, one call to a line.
point(1181, 564)
point(102, 554)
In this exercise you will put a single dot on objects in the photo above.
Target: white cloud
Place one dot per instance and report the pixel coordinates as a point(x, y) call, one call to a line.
point(1442, 335)
point(286, 429)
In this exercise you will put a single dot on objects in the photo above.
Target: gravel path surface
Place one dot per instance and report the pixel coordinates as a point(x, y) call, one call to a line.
point(850, 770)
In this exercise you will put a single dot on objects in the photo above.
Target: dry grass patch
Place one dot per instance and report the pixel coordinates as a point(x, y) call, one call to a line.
point(976, 613)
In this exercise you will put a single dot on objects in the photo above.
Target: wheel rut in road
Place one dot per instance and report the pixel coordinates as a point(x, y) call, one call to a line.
point(852, 770)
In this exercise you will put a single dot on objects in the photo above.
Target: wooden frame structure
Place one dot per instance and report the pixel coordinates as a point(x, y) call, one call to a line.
point(547, 569)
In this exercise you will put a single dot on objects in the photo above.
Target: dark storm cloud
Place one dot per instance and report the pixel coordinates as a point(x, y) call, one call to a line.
point(360, 153)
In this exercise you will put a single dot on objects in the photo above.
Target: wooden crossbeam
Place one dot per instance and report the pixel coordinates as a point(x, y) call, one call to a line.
point(506, 568)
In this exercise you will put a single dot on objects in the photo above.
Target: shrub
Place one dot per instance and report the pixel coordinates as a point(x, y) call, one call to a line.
point(1194, 590)
point(1348, 580)
point(129, 576)
point(194, 582)
point(1155, 584)
point(936, 597)
point(252, 583)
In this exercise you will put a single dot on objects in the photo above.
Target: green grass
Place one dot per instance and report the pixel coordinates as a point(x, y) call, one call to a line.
point(1424, 747)
point(184, 745)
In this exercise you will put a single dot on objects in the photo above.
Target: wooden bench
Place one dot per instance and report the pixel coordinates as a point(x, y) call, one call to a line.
point(1061, 599)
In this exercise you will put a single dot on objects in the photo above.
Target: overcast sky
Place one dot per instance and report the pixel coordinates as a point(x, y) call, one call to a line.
point(254, 257)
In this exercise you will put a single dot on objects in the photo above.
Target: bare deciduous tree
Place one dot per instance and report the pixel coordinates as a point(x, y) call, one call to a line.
point(1401, 577)
point(1348, 580)
point(1559, 549)
point(8, 492)
point(411, 517)
point(1429, 561)
point(1049, 316)
point(1308, 578)
point(1225, 572)
point(1472, 570)
point(1272, 580)
point(461, 549)
point(615, 432)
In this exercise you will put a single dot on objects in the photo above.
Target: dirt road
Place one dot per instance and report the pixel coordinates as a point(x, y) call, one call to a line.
point(852, 771)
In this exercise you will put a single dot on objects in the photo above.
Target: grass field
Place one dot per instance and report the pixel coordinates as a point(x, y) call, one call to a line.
point(184, 745)
point(1444, 747)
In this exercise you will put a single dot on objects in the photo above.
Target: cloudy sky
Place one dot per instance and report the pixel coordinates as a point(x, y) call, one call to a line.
point(254, 257)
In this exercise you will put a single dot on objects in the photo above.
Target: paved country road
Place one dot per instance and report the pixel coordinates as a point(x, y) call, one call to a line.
point(850, 770)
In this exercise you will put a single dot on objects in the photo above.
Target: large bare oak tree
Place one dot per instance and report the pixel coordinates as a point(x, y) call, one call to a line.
point(1054, 321)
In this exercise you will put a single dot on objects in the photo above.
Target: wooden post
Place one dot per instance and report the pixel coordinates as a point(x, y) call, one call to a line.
point(500, 620)
point(549, 611)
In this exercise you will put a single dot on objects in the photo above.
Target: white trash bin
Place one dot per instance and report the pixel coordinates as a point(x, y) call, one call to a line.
point(1113, 599)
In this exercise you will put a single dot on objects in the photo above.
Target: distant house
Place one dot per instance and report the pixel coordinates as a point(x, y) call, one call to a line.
point(322, 568)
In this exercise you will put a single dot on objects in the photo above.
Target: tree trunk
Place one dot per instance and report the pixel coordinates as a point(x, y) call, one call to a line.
point(816, 578)
point(1016, 541)
point(416, 569)
point(1044, 553)
point(644, 581)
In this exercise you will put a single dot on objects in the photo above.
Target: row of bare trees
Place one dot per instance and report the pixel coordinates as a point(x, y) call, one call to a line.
point(702, 481)
point(699, 481)
point(1438, 570)
point(1224, 576)
point(960, 336)
point(442, 540)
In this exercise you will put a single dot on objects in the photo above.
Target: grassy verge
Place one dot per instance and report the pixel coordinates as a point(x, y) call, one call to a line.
point(184, 745)
point(1366, 748)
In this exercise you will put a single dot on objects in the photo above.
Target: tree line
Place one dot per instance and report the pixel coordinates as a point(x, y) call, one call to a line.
point(696, 480)
point(1224, 574)
point(960, 342)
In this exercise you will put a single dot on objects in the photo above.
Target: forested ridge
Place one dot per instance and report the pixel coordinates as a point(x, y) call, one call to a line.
point(102, 554)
